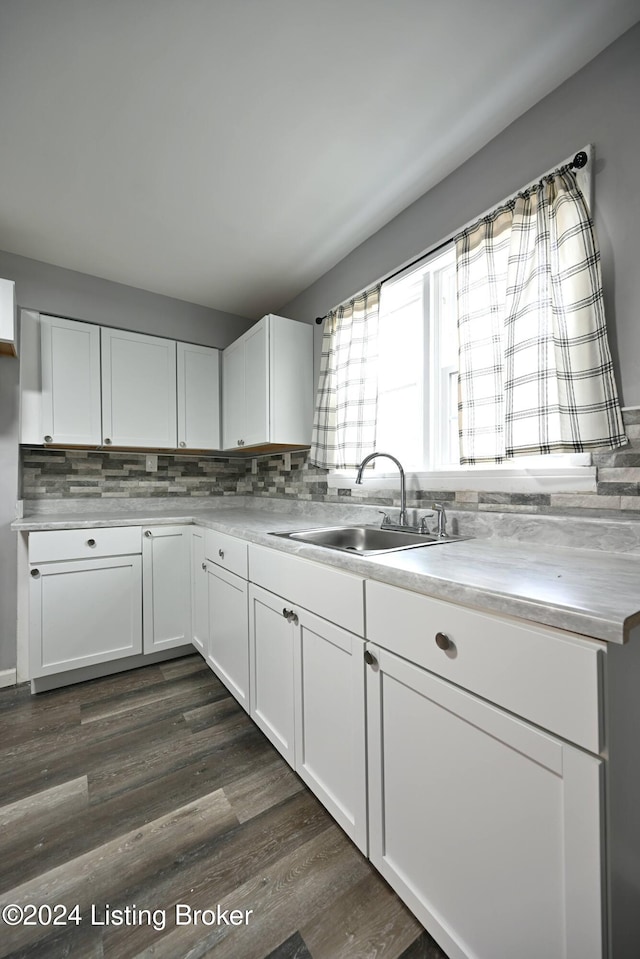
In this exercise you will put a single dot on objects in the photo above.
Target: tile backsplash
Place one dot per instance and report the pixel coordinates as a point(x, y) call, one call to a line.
point(101, 474)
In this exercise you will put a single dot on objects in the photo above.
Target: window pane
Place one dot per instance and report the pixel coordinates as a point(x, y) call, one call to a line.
point(401, 372)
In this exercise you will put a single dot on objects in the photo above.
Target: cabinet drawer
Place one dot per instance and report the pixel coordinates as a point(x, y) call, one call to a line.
point(549, 677)
point(331, 593)
point(60, 544)
point(226, 551)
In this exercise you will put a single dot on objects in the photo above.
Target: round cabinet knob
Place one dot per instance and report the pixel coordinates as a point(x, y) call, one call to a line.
point(48, 439)
point(107, 442)
point(221, 553)
point(238, 442)
point(443, 641)
point(182, 443)
point(91, 542)
point(148, 533)
point(35, 573)
point(204, 566)
point(370, 659)
point(285, 611)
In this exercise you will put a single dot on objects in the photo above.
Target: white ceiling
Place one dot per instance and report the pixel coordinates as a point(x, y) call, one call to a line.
point(230, 152)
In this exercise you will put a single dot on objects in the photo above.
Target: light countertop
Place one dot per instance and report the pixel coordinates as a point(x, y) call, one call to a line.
point(588, 591)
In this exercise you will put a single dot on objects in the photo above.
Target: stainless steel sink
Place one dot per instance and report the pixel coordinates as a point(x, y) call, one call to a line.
point(365, 540)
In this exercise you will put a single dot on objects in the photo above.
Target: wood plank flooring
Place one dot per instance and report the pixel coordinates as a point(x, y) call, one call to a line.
point(132, 794)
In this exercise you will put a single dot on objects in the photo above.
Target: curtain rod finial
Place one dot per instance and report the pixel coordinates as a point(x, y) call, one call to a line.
point(319, 319)
point(580, 159)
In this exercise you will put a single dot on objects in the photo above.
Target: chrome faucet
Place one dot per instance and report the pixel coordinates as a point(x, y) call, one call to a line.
point(402, 520)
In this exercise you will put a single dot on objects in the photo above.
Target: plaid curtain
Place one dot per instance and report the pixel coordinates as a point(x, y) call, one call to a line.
point(535, 371)
point(344, 425)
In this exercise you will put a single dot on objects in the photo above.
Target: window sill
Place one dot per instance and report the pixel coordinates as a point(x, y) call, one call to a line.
point(572, 479)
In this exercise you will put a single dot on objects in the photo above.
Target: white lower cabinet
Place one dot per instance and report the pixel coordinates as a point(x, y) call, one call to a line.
point(272, 667)
point(487, 827)
point(228, 646)
point(199, 592)
point(166, 587)
point(330, 739)
point(228, 630)
point(307, 696)
point(85, 598)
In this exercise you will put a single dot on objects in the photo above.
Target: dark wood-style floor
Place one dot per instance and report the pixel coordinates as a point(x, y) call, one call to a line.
point(153, 787)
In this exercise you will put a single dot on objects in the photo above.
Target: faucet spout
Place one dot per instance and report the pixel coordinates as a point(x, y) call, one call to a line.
point(403, 496)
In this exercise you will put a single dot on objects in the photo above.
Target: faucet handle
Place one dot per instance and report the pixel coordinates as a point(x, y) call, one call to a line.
point(423, 523)
point(442, 519)
point(386, 519)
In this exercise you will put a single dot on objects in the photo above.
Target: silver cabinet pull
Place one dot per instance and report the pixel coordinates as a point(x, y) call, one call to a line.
point(443, 641)
point(286, 612)
point(182, 443)
point(204, 566)
point(107, 442)
point(35, 573)
point(48, 439)
point(221, 553)
point(369, 658)
point(91, 542)
point(148, 533)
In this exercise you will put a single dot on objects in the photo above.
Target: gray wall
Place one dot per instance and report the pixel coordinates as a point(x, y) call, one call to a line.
point(50, 289)
point(598, 105)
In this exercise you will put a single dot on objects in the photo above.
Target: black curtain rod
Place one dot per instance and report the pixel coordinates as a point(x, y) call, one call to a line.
point(580, 160)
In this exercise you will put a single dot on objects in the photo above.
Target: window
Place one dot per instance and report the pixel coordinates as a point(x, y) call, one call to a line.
point(417, 374)
point(529, 389)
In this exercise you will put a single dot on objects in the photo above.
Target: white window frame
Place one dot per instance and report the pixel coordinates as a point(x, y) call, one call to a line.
point(567, 479)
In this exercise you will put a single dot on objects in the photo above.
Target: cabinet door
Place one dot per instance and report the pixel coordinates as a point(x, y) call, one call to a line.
point(8, 326)
point(71, 411)
point(233, 395)
point(291, 381)
point(272, 643)
point(166, 587)
point(198, 397)
point(199, 593)
point(256, 365)
point(84, 612)
point(489, 829)
point(330, 743)
point(138, 390)
point(228, 649)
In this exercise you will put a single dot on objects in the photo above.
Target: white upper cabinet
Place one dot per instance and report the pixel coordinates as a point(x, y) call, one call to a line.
point(233, 394)
point(198, 397)
point(257, 384)
point(8, 324)
point(267, 382)
point(70, 356)
point(138, 390)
